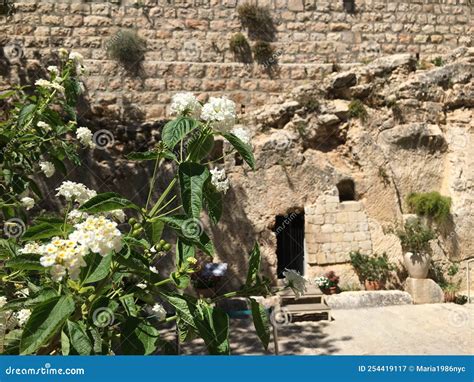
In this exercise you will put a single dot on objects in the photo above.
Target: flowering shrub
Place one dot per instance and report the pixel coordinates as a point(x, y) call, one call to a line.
point(80, 283)
point(329, 280)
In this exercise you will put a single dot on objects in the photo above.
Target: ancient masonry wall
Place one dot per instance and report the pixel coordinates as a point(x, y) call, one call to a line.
point(333, 229)
point(188, 43)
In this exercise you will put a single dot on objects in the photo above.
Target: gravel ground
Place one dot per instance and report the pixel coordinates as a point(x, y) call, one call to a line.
point(434, 329)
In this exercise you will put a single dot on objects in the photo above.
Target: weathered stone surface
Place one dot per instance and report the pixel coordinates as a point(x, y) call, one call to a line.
point(424, 291)
point(368, 299)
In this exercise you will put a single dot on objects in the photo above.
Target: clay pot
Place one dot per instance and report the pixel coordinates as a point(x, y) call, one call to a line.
point(417, 265)
point(332, 290)
point(373, 285)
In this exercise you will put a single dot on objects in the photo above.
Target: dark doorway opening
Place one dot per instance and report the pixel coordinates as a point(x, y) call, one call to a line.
point(346, 188)
point(289, 230)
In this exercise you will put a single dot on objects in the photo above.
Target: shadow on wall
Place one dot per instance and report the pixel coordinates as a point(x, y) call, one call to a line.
point(236, 227)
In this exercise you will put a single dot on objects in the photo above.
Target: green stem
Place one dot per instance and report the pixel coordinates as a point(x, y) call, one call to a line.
point(172, 318)
point(163, 282)
point(163, 197)
point(170, 211)
point(167, 204)
point(152, 183)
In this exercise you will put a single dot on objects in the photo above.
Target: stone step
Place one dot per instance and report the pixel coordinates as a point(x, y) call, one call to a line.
point(306, 308)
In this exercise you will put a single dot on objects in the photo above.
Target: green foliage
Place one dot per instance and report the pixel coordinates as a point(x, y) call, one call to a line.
point(358, 110)
point(127, 48)
point(430, 204)
point(34, 125)
point(264, 53)
point(309, 102)
point(241, 48)
point(257, 20)
point(371, 268)
point(438, 61)
point(415, 237)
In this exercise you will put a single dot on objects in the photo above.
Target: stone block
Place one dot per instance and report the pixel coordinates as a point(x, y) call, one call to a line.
point(424, 291)
point(368, 299)
point(295, 5)
point(327, 228)
point(350, 206)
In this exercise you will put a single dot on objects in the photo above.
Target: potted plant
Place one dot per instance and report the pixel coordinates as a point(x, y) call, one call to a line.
point(328, 283)
point(415, 240)
point(373, 271)
point(208, 277)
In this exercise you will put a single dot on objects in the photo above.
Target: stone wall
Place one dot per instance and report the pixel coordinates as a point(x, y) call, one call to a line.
point(188, 43)
point(334, 229)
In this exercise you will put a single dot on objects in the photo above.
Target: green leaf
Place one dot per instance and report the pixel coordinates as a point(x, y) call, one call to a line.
point(182, 306)
point(213, 326)
point(58, 164)
point(107, 201)
point(26, 262)
point(45, 322)
point(65, 344)
point(181, 280)
point(261, 322)
point(128, 302)
point(214, 202)
point(184, 250)
point(27, 303)
point(200, 146)
point(192, 177)
point(138, 337)
point(42, 231)
point(243, 149)
point(254, 266)
point(79, 340)
point(175, 130)
point(97, 269)
point(7, 94)
point(178, 224)
point(25, 113)
point(153, 230)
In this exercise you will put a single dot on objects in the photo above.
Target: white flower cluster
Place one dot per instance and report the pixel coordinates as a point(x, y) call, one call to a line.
point(44, 125)
point(62, 255)
point(3, 301)
point(78, 60)
point(322, 282)
point(98, 235)
point(85, 136)
point(295, 281)
point(53, 70)
point(47, 168)
point(66, 256)
point(242, 134)
point(185, 104)
point(76, 216)
point(28, 202)
point(219, 180)
point(220, 112)
point(49, 85)
point(22, 316)
point(76, 192)
point(159, 311)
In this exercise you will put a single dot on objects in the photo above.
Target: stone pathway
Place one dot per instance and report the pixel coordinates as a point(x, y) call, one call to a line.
point(397, 330)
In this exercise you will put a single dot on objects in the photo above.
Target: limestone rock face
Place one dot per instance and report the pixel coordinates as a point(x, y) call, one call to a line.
point(424, 291)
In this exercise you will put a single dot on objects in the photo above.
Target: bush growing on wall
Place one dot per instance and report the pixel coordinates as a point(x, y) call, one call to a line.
point(127, 48)
point(430, 204)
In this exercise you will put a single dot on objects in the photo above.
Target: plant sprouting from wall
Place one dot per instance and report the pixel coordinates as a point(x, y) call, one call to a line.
point(264, 53)
point(433, 205)
point(127, 48)
point(258, 21)
point(240, 47)
point(358, 110)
